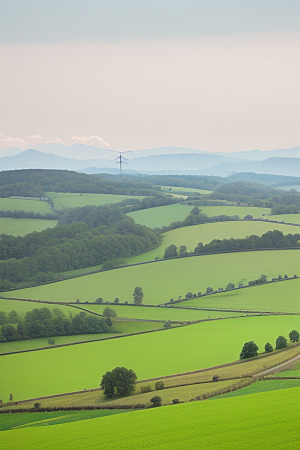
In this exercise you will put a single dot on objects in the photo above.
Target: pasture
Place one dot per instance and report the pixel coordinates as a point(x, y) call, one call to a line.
point(282, 296)
point(184, 190)
point(252, 420)
point(20, 204)
point(181, 349)
point(288, 218)
point(205, 233)
point(63, 200)
point(161, 215)
point(262, 386)
point(20, 227)
point(163, 280)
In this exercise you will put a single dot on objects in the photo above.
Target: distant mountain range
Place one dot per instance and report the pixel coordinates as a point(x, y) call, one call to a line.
point(164, 160)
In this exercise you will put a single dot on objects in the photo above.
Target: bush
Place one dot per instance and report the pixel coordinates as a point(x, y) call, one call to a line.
point(175, 401)
point(168, 324)
point(37, 405)
point(156, 401)
point(51, 341)
point(159, 385)
point(145, 389)
point(215, 378)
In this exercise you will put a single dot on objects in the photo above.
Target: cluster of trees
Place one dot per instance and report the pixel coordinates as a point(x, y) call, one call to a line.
point(25, 189)
point(250, 349)
point(42, 322)
point(272, 239)
point(37, 256)
point(20, 214)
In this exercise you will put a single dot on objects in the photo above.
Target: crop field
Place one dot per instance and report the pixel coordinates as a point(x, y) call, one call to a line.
point(253, 420)
point(262, 386)
point(176, 314)
point(282, 296)
point(71, 200)
point(20, 204)
point(22, 420)
point(20, 227)
point(177, 189)
point(163, 280)
point(205, 233)
point(161, 215)
point(288, 218)
point(194, 347)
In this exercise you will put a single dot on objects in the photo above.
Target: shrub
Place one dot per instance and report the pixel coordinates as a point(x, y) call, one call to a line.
point(215, 378)
point(159, 385)
point(168, 324)
point(145, 389)
point(139, 406)
point(51, 341)
point(37, 405)
point(99, 300)
point(156, 401)
point(175, 401)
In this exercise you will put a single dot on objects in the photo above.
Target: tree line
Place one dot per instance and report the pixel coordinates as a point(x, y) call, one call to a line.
point(40, 323)
point(250, 349)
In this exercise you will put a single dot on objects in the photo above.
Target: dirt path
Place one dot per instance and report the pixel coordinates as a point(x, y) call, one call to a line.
point(277, 368)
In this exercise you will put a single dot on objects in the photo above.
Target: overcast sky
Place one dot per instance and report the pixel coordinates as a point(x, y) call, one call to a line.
point(217, 75)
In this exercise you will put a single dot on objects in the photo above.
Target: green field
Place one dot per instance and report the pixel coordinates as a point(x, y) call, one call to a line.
point(20, 227)
point(282, 296)
point(163, 280)
point(182, 349)
point(205, 233)
point(161, 215)
point(71, 200)
point(262, 386)
point(177, 190)
point(240, 211)
point(288, 218)
point(247, 422)
point(20, 204)
point(23, 307)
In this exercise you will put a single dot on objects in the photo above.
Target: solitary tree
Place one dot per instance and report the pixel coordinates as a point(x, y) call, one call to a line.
point(294, 336)
point(249, 350)
point(138, 295)
point(268, 348)
point(120, 380)
point(281, 342)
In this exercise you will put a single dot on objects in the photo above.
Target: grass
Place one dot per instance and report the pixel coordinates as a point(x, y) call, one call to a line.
point(32, 419)
point(164, 280)
point(19, 204)
point(20, 227)
point(54, 371)
point(23, 307)
point(184, 190)
point(253, 420)
point(205, 233)
point(262, 386)
point(288, 218)
point(229, 210)
point(72, 200)
point(161, 215)
point(282, 296)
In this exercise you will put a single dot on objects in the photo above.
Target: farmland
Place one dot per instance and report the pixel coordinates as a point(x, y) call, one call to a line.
point(20, 227)
point(172, 278)
point(191, 425)
point(184, 190)
point(288, 218)
point(194, 347)
point(72, 200)
point(263, 386)
point(20, 204)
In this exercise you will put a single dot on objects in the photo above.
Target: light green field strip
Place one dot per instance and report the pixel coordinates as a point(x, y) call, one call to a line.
point(282, 296)
point(205, 233)
point(19, 204)
point(249, 423)
point(183, 349)
point(161, 215)
point(23, 307)
point(70, 200)
point(288, 218)
point(164, 280)
point(240, 211)
point(137, 312)
point(262, 386)
point(20, 227)
point(176, 189)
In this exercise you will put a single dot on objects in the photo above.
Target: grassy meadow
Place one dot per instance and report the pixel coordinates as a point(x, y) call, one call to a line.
point(20, 204)
point(182, 349)
point(63, 200)
point(20, 227)
point(252, 420)
point(282, 296)
point(184, 190)
point(163, 280)
point(288, 218)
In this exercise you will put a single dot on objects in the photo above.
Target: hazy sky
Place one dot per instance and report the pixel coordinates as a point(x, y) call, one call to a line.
point(217, 75)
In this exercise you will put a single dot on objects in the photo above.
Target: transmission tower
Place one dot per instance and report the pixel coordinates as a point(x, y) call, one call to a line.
point(121, 160)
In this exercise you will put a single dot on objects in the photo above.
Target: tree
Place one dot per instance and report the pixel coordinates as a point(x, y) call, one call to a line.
point(248, 217)
point(159, 385)
point(13, 317)
point(156, 400)
point(138, 295)
point(294, 336)
point(108, 312)
point(268, 348)
point(281, 342)
point(99, 300)
point(263, 279)
point(209, 290)
point(108, 321)
point(120, 380)
point(249, 350)
point(171, 251)
point(116, 300)
point(230, 286)
point(195, 211)
point(183, 250)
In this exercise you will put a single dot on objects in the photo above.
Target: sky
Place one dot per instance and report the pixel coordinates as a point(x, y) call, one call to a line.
point(215, 75)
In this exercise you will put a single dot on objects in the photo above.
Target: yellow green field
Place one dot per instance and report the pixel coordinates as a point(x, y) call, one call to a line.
point(19, 204)
point(73, 200)
point(163, 280)
point(249, 422)
point(20, 227)
point(288, 218)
